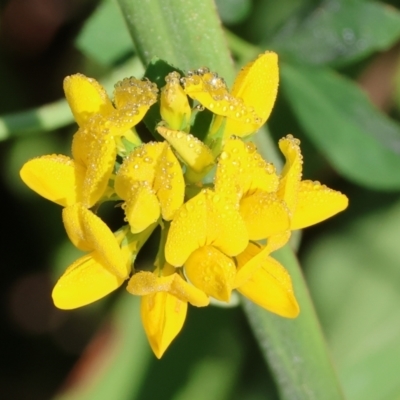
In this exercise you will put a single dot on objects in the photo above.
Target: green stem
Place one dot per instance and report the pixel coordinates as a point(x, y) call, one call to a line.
point(187, 33)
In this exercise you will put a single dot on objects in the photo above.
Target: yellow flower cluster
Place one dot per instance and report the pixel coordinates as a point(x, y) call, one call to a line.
point(217, 234)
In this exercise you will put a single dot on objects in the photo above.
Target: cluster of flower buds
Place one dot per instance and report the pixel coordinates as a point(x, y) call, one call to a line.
point(221, 208)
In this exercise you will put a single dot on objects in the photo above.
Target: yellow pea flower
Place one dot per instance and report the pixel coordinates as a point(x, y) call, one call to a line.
point(246, 108)
point(194, 153)
point(309, 202)
point(165, 296)
point(246, 178)
point(96, 274)
point(263, 280)
point(150, 180)
point(84, 177)
point(204, 234)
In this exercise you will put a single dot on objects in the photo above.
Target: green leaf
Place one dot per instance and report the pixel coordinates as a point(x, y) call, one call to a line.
point(338, 32)
point(354, 278)
point(359, 141)
point(184, 33)
point(295, 348)
point(104, 37)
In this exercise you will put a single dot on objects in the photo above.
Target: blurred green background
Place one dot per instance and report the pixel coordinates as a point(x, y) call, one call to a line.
point(339, 93)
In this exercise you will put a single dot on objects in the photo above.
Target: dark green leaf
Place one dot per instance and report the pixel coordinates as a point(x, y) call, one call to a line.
point(338, 32)
point(360, 142)
point(232, 12)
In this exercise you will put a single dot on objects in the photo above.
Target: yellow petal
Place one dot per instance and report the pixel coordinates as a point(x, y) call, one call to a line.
point(316, 203)
point(55, 177)
point(270, 287)
point(174, 105)
point(257, 84)
point(193, 151)
point(88, 232)
point(169, 184)
point(241, 170)
point(292, 171)
point(94, 147)
point(206, 219)
point(84, 282)
point(212, 272)
point(255, 255)
point(264, 215)
point(163, 316)
point(141, 207)
point(133, 99)
point(86, 97)
point(211, 91)
point(144, 283)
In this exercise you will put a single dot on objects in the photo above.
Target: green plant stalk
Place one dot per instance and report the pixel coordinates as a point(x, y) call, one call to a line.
point(186, 34)
point(295, 349)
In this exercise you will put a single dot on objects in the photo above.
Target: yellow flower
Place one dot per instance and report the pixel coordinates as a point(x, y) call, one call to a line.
point(150, 180)
point(174, 105)
point(309, 202)
point(264, 281)
point(84, 178)
point(96, 274)
point(248, 180)
point(195, 154)
point(205, 233)
point(164, 304)
point(250, 102)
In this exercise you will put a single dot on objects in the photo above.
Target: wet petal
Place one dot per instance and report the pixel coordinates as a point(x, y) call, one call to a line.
point(154, 165)
point(257, 84)
point(270, 287)
point(84, 282)
point(141, 207)
point(212, 272)
point(145, 283)
point(163, 316)
point(94, 147)
point(211, 91)
point(206, 219)
point(316, 203)
point(133, 98)
point(193, 152)
point(86, 97)
point(174, 105)
point(55, 177)
point(241, 169)
point(255, 255)
point(264, 215)
point(169, 184)
point(292, 171)
point(88, 232)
